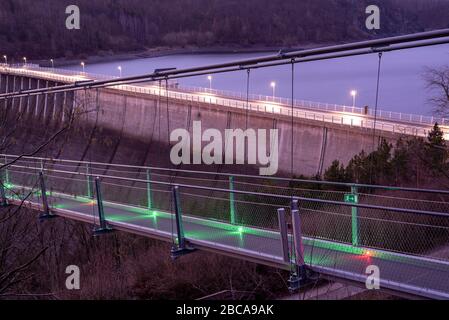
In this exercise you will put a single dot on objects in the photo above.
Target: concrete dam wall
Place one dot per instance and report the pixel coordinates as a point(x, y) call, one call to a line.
point(117, 126)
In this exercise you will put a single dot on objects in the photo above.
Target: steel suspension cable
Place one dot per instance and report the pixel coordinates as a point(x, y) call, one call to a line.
point(171, 179)
point(248, 71)
point(89, 165)
point(365, 47)
point(379, 65)
point(292, 145)
point(292, 118)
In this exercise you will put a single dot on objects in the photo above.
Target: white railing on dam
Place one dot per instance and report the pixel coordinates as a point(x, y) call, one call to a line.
point(381, 114)
point(408, 124)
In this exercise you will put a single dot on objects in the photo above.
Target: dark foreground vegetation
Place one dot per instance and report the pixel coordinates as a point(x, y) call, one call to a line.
point(34, 256)
point(37, 29)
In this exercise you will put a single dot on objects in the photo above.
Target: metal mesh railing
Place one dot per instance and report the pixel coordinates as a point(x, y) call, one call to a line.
point(396, 220)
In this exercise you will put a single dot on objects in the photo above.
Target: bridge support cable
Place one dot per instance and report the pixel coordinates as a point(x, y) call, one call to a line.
point(181, 247)
point(158, 108)
point(45, 207)
point(429, 38)
point(167, 98)
point(174, 200)
point(232, 211)
point(292, 120)
point(248, 73)
point(379, 65)
point(103, 228)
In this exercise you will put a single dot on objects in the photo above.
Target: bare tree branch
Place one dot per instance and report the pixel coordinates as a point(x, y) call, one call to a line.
point(12, 273)
point(437, 81)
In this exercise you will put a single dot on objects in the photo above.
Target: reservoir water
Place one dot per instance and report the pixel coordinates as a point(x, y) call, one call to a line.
point(402, 87)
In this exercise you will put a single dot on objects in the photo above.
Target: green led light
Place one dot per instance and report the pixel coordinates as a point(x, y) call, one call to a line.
point(61, 206)
point(336, 247)
point(83, 199)
point(240, 230)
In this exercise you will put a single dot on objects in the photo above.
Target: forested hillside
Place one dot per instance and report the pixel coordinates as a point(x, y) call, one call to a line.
point(37, 28)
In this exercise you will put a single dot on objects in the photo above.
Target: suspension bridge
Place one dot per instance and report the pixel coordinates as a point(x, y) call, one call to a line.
point(252, 218)
point(334, 230)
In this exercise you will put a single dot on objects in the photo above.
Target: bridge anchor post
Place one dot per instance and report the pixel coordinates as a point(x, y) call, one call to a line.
point(104, 228)
point(182, 247)
point(298, 276)
point(46, 208)
point(284, 234)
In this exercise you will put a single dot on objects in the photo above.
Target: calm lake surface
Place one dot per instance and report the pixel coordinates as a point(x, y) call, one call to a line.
point(402, 87)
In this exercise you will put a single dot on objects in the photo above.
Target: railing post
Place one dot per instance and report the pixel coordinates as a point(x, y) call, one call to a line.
point(46, 209)
point(231, 200)
point(355, 218)
point(149, 197)
point(6, 172)
point(89, 182)
point(181, 248)
point(295, 204)
point(3, 200)
point(284, 234)
point(104, 228)
point(178, 216)
point(297, 234)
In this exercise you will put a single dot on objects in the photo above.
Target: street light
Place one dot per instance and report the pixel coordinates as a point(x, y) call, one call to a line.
point(210, 82)
point(273, 85)
point(52, 63)
point(353, 94)
point(83, 65)
point(120, 70)
point(6, 59)
point(25, 60)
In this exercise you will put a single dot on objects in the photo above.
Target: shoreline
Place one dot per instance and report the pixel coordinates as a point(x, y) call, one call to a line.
point(167, 51)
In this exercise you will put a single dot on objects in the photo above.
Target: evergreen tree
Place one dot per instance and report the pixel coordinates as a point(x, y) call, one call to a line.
point(379, 163)
point(336, 172)
point(400, 161)
point(437, 152)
